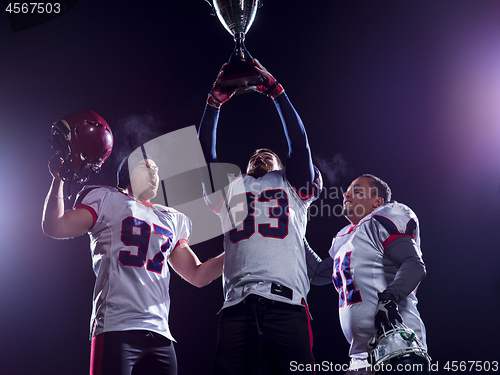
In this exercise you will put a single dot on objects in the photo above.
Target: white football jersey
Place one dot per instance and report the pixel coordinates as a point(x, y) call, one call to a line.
point(264, 227)
point(130, 245)
point(360, 271)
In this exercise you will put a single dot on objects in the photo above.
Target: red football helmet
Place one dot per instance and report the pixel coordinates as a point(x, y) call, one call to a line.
point(86, 140)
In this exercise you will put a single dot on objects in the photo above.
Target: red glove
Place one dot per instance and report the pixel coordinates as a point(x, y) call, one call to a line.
point(269, 87)
point(219, 93)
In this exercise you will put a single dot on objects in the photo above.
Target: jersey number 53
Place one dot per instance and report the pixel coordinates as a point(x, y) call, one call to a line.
point(275, 202)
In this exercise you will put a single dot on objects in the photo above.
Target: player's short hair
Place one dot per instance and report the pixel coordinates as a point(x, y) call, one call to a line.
point(123, 173)
point(259, 150)
point(383, 190)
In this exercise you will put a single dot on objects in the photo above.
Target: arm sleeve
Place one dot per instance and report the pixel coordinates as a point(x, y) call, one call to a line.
point(299, 167)
point(411, 269)
point(319, 271)
point(207, 133)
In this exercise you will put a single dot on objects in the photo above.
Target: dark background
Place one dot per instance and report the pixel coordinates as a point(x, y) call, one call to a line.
point(407, 90)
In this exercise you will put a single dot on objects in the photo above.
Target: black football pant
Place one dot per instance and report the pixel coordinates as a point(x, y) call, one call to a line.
point(258, 332)
point(132, 353)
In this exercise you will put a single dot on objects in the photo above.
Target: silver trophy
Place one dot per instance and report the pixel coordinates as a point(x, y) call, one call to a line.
point(237, 17)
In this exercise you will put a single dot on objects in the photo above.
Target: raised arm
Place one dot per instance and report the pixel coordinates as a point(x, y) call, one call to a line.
point(299, 166)
point(207, 133)
point(56, 222)
point(185, 262)
point(207, 130)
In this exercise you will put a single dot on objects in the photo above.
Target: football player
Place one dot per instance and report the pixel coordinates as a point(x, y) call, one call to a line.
point(264, 320)
point(377, 267)
point(131, 241)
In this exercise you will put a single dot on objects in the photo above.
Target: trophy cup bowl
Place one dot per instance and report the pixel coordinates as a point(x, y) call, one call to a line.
point(237, 17)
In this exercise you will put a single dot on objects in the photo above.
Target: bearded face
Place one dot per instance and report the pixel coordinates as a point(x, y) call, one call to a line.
point(262, 163)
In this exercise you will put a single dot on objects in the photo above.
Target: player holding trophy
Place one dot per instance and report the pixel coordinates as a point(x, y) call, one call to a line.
point(265, 319)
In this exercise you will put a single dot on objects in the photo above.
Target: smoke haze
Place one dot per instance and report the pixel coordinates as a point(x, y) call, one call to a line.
point(332, 168)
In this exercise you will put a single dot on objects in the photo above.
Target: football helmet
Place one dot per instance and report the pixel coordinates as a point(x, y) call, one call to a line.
point(398, 341)
point(85, 140)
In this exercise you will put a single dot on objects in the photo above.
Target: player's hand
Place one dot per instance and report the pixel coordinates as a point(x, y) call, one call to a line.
point(55, 164)
point(387, 315)
point(269, 87)
point(219, 93)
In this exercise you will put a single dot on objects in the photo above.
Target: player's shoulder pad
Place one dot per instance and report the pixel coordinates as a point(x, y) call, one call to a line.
point(167, 209)
point(317, 173)
point(318, 182)
point(396, 218)
point(343, 231)
point(164, 208)
point(172, 212)
point(88, 188)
